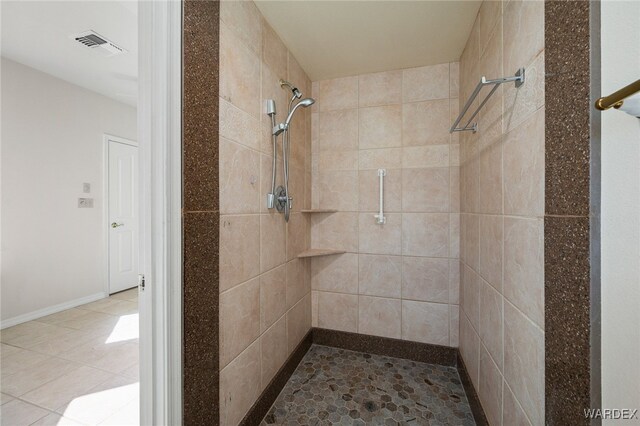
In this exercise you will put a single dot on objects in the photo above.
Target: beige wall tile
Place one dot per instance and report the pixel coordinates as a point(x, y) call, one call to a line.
point(298, 77)
point(520, 103)
point(490, 391)
point(425, 279)
point(523, 33)
point(298, 322)
point(454, 235)
point(454, 281)
point(454, 79)
point(239, 73)
point(239, 178)
point(338, 130)
point(338, 190)
point(470, 348)
point(314, 308)
point(238, 126)
point(490, 200)
point(491, 325)
point(425, 234)
point(244, 19)
point(380, 275)
point(271, 90)
point(470, 296)
point(380, 127)
point(337, 273)
point(272, 241)
point(273, 292)
point(524, 362)
point(379, 316)
point(490, 261)
point(239, 249)
point(454, 326)
point(239, 388)
point(338, 311)
point(524, 266)
point(472, 240)
point(425, 190)
point(513, 413)
point(335, 231)
point(416, 157)
point(385, 158)
point(239, 319)
point(383, 88)
point(297, 234)
point(425, 322)
point(338, 94)
point(297, 284)
point(524, 168)
point(274, 52)
point(425, 123)
point(425, 83)
point(273, 347)
point(369, 190)
point(380, 239)
point(338, 160)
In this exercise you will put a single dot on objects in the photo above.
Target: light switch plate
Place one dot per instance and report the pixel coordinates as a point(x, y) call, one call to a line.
point(86, 187)
point(85, 203)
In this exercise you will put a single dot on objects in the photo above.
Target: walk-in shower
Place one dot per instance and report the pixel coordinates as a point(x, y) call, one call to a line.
point(279, 197)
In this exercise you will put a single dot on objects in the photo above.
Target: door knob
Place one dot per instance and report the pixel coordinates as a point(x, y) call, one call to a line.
point(115, 224)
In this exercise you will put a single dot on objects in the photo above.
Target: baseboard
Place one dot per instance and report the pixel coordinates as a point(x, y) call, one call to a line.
point(472, 395)
point(273, 389)
point(414, 351)
point(10, 322)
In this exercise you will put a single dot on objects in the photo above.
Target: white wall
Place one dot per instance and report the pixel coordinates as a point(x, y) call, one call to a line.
point(620, 212)
point(52, 251)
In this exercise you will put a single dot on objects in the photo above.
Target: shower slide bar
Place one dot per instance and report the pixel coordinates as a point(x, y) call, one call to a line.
point(518, 78)
point(380, 219)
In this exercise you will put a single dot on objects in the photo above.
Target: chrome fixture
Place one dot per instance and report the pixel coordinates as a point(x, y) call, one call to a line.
point(279, 197)
point(518, 79)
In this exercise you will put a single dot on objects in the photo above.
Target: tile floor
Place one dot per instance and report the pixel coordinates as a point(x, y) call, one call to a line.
point(336, 386)
point(75, 367)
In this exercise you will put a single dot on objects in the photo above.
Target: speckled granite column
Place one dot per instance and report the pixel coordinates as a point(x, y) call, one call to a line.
point(570, 169)
point(201, 214)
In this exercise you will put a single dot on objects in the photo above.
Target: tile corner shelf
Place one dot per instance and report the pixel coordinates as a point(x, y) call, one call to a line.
point(319, 252)
point(319, 211)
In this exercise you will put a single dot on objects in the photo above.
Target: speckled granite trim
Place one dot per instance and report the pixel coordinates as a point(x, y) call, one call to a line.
point(421, 352)
point(472, 395)
point(273, 389)
point(570, 203)
point(201, 217)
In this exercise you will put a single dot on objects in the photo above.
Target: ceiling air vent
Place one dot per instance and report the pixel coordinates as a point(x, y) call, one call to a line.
point(98, 43)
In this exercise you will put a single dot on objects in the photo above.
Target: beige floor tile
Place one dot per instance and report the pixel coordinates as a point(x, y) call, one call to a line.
point(132, 372)
point(59, 317)
point(32, 333)
point(129, 415)
point(4, 398)
point(131, 295)
point(20, 359)
point(6, 350)
point(55, 346)
point(102, 401)
point(18, 412)
point(66, 388)
point(111, 306)
point(93, 322)
point(30, 378)
point(56, 420)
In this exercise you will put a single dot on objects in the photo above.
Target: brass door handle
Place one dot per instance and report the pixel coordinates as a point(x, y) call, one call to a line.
point(115, 224)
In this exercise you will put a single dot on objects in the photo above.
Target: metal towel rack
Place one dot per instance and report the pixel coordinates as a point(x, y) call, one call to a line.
point(518, 79)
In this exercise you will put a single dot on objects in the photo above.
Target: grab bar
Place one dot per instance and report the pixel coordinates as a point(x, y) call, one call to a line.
point(380, 219)
point(616, 99)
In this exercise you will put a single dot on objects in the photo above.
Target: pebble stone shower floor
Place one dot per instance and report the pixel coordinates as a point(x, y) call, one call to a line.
point(337, 386)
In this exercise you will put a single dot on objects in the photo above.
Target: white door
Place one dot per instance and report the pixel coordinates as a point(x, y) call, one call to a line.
point(123, 216)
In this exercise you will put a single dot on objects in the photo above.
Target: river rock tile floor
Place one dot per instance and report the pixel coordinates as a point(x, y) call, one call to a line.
point(336, 386)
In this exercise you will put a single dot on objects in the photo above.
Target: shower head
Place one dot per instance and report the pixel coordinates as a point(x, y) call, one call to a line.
point(306, 102)
point(296, 93)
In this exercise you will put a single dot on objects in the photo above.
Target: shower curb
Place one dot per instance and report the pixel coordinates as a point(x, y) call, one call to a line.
point(414, 351)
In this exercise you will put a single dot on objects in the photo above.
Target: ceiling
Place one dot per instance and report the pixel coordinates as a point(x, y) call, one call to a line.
point(341, 38)
point(37, 34)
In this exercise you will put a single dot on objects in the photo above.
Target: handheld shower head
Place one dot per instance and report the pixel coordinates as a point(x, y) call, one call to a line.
point(306, 102)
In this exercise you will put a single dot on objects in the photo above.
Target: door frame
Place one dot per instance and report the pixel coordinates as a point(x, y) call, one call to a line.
point(160, 156)
point(106, 138)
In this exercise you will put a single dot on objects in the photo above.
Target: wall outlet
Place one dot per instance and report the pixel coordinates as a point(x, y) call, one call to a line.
point(86, 188)
point(85, 203)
